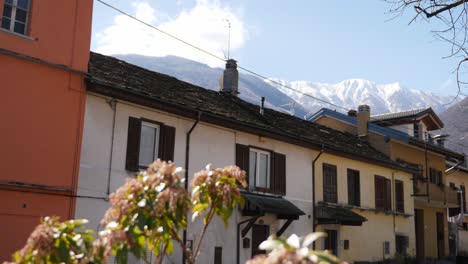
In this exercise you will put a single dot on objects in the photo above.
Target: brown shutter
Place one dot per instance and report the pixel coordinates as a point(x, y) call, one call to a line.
point(279, 174)
point(166, 143)
point(133, 144)
point(353, 188)
point(351, 183)
point(399, 196)
point(242, 158)
point(388, 195)
point(379, 193)
point(329, 183)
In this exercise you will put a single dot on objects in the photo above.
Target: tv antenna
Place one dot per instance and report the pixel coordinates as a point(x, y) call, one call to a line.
point(229, 37)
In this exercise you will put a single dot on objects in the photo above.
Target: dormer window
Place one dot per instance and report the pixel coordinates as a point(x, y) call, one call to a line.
point(416, 130)
point(15, 16)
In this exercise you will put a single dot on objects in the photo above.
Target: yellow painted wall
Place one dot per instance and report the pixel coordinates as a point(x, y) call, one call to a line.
point(366, 241)
point(377, 140)
point(459, 177)
point(430, 230)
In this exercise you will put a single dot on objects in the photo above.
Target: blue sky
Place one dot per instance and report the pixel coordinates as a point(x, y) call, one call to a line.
point(319, 41)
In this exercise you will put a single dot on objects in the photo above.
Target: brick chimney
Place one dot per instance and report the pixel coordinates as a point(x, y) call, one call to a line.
point(229, 82)
point(363, 117)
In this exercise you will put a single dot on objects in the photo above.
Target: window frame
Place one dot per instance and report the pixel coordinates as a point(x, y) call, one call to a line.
point(356, 188)
point(156, 154)
point(400, 204)
point(12, 18)
point(257, 169)
point(435, 176)
point(333, 194)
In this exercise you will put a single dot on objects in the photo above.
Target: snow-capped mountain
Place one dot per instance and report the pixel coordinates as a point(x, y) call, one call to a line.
point(382, 98)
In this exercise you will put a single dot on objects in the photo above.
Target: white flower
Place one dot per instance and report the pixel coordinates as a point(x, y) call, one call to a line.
point(142, 203)
point(160, 187)
point(112, 225)
point(269, 244)
point(293, 241)
point(310, 238)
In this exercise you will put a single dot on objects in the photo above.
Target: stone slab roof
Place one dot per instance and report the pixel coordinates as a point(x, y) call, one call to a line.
point(113, 77)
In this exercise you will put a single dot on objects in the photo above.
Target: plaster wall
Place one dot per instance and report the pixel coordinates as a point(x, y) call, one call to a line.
point(209, 144)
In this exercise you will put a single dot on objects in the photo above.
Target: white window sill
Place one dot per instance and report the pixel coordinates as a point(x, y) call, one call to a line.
point(18, 35)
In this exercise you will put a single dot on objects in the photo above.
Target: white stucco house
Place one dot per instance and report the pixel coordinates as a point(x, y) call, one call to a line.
point(134, 116)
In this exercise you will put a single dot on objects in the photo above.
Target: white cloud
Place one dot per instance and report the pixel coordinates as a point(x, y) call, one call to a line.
point(204, 25)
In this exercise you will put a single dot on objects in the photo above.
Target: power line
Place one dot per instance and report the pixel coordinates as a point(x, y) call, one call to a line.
point(159, 30)
point(218, 57)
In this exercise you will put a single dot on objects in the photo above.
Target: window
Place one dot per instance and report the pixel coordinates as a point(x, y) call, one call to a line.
point(383, 193)
point(435, 176)
point(218, 255)
point(266, 169)
point(329, 183)
point(386, 246)
point(401, 244)
point(416, 131)
point(463, 198)
point(147, 141)
point(259, 168)
point(354, 193)
point(15, 16)
point(399, 197)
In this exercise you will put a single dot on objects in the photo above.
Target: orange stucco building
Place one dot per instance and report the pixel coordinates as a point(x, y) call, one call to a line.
point(44, 53)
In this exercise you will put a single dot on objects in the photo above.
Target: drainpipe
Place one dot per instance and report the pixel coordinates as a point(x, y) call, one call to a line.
point(314, 225)
point(427, 172)
point(113, 105)
point(394, 203)
point(187, 163)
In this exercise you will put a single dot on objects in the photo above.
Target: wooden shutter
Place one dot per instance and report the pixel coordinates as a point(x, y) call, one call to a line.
point(388, 195)
point(354, 188)
point(329, 183)
point(399, 196)
point(242, 158)
point(379, 192)
point(278, 182)
point(133, 144)
point(166, 143)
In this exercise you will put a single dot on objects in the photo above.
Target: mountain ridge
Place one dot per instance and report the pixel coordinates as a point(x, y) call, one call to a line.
point(382, 98)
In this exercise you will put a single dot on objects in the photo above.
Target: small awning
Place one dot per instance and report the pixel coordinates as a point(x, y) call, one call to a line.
point(259, 204)
point(327, 214)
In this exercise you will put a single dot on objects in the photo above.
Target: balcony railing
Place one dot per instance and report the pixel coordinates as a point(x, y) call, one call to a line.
point(440, 194)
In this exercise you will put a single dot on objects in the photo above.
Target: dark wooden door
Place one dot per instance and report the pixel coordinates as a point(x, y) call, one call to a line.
point(260, 233)
point(440, 235)
point(419, 228)
point(331, 241)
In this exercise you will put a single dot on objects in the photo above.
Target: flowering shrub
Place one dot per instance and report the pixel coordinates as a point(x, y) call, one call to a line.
point(55, 242)
point(292, 251)
point(148, 212)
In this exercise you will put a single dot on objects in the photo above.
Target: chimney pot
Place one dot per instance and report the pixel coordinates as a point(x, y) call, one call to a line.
point(352, 113)
point(230, 80)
